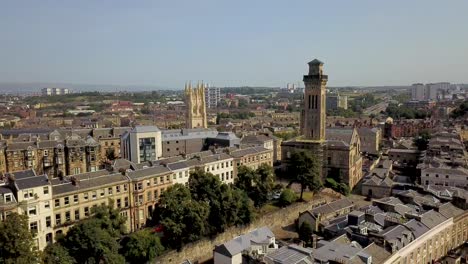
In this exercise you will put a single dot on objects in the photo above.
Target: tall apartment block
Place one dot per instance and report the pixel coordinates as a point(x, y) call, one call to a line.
point(55, 91)
point(212, 96)
point(430, 91)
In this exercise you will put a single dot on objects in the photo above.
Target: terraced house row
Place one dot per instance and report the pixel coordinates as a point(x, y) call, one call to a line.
point(75, 151)
point(54, 204)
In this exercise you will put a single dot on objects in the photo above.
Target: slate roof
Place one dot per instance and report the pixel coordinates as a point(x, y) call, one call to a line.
point(20, 145)
point(432, 218)
point(398, 235)
point(215, 158)
point(255, 139)
point(118, 164)
point(88, 184)
point(448, 210)
point(248, 151)
point(49, 144)
point(32, 182)
point(416, 227)
point(235, 246)
point(291, 254)
point(332, 207)
point(148, 172)
point(178, 165)
point(21, 174)
point(329, 250)
point(339, 134)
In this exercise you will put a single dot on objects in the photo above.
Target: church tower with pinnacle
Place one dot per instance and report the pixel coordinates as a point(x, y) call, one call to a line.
point(196, 106)
point(314, 109)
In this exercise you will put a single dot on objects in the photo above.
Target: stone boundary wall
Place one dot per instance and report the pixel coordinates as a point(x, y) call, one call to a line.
point(202, 250)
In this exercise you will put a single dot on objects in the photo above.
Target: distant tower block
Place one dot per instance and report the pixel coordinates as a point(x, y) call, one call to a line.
point(314, 110)
point(196, 106)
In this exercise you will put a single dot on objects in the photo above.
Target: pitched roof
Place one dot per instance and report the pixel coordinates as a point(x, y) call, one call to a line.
point(332, 207)
point(449, 210)
point(290, 254)
point(31, 182)
point(235, 246)
point(87, 183)
point(148, 172)
point(432, 218)
point(416, 227)
point(315, 61)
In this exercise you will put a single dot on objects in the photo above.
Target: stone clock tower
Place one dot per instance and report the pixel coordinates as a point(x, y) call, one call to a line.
point(314, 112)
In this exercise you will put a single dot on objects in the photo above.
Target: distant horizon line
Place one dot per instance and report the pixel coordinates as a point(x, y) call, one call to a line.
point(35, 87)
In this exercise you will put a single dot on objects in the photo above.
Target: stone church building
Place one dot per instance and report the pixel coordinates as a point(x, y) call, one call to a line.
point(339, 149)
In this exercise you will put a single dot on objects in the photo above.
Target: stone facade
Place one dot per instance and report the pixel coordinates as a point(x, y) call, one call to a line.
point(314, 109)
point(338, 149)
point(196, 106)
point(146, 185)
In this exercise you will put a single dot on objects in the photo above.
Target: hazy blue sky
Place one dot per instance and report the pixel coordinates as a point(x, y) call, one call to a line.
point(232, 43)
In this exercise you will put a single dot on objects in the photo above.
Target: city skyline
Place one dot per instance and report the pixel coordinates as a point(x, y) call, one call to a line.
point(232, 44)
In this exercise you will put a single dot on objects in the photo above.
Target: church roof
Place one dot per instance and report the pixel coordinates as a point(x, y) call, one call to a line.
point(315, 61)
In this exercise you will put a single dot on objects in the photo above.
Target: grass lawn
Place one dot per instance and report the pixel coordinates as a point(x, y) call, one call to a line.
point(307, 196)
point(268, 208)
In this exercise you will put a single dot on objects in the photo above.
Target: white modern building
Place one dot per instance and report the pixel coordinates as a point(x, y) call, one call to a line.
point(142, 143)
point(55, 91)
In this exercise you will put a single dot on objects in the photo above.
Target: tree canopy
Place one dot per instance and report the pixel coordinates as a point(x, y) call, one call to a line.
point(397, 112)
point(460, 111)
point(305, 168)
point(184, 219)
point(141, 246)
point(422, 140)
point(16, 241)
point(258, 184)
point(93, 240)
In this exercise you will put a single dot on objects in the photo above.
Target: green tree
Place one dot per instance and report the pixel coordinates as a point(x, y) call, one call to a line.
point(16, 241)
point(225, 202)
point(57, 254)
point(206, 187)
point(422, 141)
point(264, 182)
point(305, 168)
point(460, 111)
point(287, 197)
point(258, 184)
point(94, 240)
point(89, 242)
point(141, 246)
point(183, 218)
point(305, 233)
